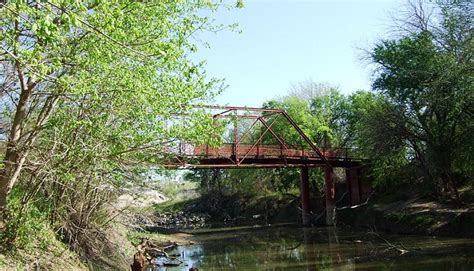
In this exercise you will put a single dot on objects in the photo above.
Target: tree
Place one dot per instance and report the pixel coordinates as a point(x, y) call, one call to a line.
point(309, 89)
point(332, 110)
point(106, 75)
point(319, 109)
point(375, 130)
point(425, 81)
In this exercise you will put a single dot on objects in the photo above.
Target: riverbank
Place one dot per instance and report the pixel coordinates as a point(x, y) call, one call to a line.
point(172, 221)
point(184, 222)
point(37, 256)
point(412, 215)
point(404, 212)
point(235, 209)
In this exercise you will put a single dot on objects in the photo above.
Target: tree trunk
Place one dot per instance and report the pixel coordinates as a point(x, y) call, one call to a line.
point(453, 189)
point(3, 198)
point(14, 157)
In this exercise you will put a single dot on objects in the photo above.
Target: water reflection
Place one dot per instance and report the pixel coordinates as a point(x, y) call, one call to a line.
point(291, 248)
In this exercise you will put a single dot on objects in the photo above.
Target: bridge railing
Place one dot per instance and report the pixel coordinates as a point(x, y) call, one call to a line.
point(259, 150)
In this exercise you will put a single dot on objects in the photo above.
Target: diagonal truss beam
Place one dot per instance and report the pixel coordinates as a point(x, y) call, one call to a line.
point(256, 143)
point(273, 133)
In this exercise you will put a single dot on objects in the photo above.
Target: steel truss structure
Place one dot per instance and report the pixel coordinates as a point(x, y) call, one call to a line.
point(242, 150)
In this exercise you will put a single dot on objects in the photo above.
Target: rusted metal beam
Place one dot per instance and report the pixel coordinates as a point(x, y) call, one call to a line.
point(222, 113)
point(237, 116)
point(281, 163)
point(231, 166)
point(236, 140)
point(224, 161)
point(240, 108)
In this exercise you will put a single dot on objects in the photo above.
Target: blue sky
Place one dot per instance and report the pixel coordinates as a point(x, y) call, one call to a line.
point(284, 41)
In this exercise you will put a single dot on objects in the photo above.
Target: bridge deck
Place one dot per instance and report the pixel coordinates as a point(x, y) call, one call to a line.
point(232, 156)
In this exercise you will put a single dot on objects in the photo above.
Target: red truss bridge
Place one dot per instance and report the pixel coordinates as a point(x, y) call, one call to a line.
point(257, 140)
point(270, 138)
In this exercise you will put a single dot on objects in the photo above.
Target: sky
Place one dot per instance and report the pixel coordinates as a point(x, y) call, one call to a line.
point(282, 42)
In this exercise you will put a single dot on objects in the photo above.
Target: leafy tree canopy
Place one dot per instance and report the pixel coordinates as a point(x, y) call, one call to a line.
point(425, 82)
point(89, 90)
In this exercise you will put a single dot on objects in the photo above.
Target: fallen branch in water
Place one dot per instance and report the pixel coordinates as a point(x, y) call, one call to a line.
point(341, 198)
point(152, 252)
point(295, 247)
point(401, 249)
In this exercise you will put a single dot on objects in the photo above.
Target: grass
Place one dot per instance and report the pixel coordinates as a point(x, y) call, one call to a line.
point(31, 240)
point(172, 206)
point(173, 189)
point(135, 237)
point(411, 219)
point(54, 257)
point(2, 261)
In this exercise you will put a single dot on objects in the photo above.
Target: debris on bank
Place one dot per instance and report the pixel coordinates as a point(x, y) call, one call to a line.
point(153, 253)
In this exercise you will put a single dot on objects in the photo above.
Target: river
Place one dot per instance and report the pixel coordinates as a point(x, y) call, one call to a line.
point(293, 248)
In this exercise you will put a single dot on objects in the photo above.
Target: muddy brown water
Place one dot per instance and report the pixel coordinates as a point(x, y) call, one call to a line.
point(293, 248)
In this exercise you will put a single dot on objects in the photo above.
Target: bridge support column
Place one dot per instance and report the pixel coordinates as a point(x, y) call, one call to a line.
point(304, 194)
point(330, 196)
point(352, 177)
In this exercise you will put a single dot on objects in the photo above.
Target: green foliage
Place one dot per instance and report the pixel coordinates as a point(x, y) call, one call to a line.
point(331, 109)
point(322, 117)
point(231, 181)
point(244, 181)
point(368, 120)
point(422, 115)
point(172, 188)
point(102, 83)
point(285, 180)
point(27, 227)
